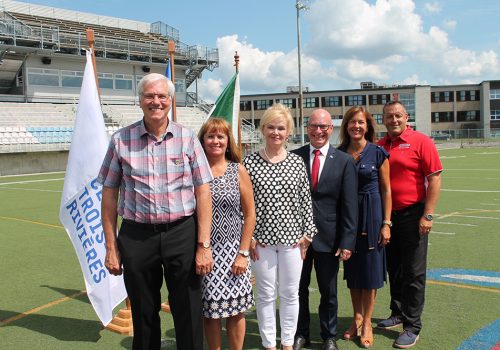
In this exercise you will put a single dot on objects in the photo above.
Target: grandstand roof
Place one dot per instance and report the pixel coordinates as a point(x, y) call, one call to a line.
point(28, 29)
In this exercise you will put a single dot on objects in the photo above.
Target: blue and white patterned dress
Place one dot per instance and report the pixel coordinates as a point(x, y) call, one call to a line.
point(225, 294)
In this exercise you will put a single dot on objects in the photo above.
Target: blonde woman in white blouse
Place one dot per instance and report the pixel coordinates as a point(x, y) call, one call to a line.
point(284, 227)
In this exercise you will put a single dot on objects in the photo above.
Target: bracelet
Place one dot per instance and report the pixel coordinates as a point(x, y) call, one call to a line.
point(308, 238)
point(387, 222)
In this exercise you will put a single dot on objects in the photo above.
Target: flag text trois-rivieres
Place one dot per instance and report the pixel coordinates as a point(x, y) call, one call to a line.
point(85, 212)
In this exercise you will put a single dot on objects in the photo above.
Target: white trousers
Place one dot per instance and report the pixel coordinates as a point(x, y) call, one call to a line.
point(277, 270)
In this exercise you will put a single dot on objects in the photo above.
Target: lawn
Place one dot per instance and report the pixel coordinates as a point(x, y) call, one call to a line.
point(42, 305)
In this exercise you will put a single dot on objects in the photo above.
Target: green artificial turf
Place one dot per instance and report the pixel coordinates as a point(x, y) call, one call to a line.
point(39, 269)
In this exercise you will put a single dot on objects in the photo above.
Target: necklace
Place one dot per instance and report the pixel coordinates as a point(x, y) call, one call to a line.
point(269, 158)
point(356, 154)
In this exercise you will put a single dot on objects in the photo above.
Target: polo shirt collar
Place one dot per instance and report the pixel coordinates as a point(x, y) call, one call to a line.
point(171, 129)
point(403, 137)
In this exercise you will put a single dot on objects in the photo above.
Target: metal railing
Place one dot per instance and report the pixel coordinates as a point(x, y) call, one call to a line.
point(457, 134)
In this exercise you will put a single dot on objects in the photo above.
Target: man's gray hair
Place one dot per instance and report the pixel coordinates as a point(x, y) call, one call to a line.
point(152, 78)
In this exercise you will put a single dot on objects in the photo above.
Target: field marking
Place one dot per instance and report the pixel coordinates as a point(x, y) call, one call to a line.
point(483, 210)
point(32, 189)
point(450, 284)
point(471, 169)
point(30, 222)
point(471, 211)
point(488, 153)
point(465, 177)
point(470, 191)
point(474, 278)
point(34, 174)
point(452, 157)
point(454, 223)
point(40, 308)
point(30, 181)
point(443, 233)
point(493, 204)
point(478, 217)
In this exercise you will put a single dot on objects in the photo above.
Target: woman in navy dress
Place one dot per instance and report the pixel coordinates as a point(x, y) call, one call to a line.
point(365, 272)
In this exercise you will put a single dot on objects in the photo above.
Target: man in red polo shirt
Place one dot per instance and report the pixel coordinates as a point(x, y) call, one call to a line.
point(415, 185)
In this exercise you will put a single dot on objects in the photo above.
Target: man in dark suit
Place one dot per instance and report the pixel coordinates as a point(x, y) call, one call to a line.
point(334, 190)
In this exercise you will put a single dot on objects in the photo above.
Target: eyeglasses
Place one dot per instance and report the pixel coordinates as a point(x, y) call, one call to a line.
point(151, 97)
point(322, 127)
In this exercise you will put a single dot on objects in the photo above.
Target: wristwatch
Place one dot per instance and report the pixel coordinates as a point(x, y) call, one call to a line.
point(387, 222)
point(245, 253)
point(428, 217)
point(205, 244)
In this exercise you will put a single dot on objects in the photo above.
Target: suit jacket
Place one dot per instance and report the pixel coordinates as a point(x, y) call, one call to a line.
point(335, 201)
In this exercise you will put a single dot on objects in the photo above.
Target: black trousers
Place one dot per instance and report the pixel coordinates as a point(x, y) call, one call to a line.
point(150, 253)
point(326, 266)
point(406, 266)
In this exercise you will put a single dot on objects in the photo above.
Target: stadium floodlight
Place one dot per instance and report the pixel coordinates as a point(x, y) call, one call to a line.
point(300, 5)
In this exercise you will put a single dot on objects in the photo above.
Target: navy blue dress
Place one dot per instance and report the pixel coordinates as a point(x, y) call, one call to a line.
point(366, 269)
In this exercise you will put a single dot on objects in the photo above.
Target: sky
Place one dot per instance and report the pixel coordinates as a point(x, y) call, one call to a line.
point(343, 42)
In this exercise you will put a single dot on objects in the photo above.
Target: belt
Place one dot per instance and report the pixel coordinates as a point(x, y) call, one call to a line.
point(157, 227)
point(409, 209)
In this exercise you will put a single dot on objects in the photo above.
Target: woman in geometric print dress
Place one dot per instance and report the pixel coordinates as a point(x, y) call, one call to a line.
point(227, 289)
point(365, 271)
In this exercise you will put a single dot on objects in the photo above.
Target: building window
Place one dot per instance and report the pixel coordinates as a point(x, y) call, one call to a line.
point(355, 100)
point(311, 102)
point(71, 78)
point(468, 116)
point(123, 82)
point(245, 105)
point(442, 117)
point(287, 102)
point(260, 105)
point(105, 80)
point(495, 115)
point(379, 99)
point(442, 96)
point(408, 100)
point(378, 118)
point(43, 77)
point(332, 101)
point(468, 95)
point(495, 94)
point(180, 85)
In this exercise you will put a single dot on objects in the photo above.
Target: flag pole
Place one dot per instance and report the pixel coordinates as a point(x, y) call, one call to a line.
point(171, 52)
point(237, 68)
point(122, 322)
point(91, 40)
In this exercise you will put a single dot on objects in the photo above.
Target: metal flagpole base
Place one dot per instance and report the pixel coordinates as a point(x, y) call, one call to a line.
point(122, 323)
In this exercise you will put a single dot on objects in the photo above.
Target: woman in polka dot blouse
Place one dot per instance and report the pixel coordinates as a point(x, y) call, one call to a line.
point(284, 227)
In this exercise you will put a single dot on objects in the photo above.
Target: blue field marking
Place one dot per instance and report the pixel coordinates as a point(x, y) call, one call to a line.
point(468, 277)
point(486, 338)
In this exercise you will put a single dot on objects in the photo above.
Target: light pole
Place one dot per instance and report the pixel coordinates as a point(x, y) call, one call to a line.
point(300, 5)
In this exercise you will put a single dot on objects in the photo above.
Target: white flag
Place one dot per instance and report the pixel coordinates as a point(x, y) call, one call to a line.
point(80, 211)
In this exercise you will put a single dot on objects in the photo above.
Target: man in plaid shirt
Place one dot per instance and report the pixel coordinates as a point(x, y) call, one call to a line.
point(155, 175)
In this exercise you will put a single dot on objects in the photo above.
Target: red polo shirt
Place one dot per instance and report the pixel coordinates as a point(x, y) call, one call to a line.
point(413, 157)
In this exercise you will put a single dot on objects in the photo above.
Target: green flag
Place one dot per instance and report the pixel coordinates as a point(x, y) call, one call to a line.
point(227, 105)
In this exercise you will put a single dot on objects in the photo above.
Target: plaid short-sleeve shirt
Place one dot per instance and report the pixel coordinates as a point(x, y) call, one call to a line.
point(156, 177)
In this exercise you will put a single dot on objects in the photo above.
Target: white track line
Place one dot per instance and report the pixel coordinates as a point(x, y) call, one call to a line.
point(442, 233)
point(471, 169)
point(494, 204)
point(29, 181)
point(477, 217)
point(29, 189)
point(470, 191)
point(469, 178)
point(483, 210)
point(454, 223)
